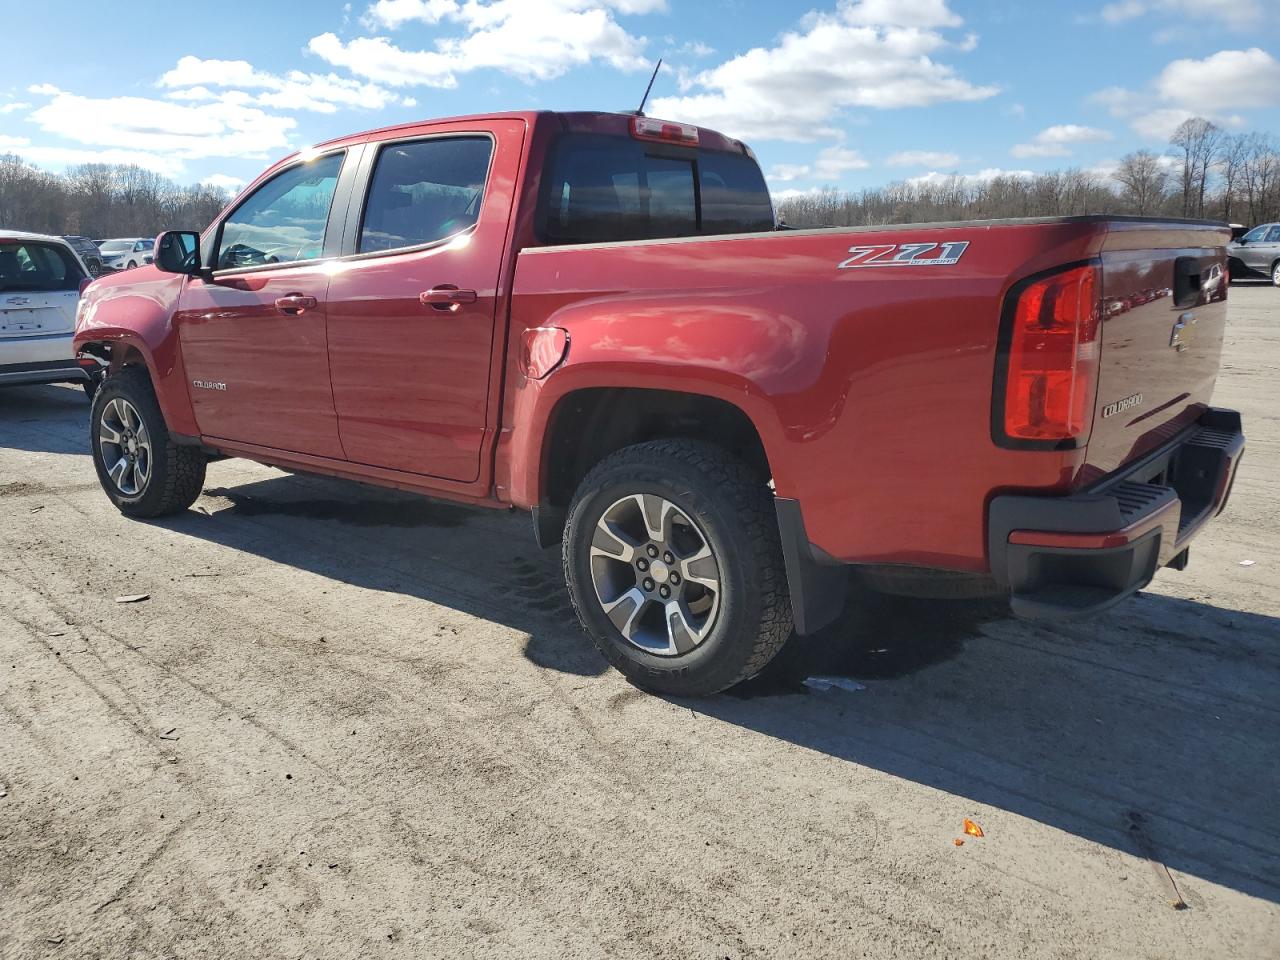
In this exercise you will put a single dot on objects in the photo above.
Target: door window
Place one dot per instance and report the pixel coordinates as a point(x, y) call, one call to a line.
point(1254, 235)
point(1274, 235)
point(424, 192)
point(284, 219)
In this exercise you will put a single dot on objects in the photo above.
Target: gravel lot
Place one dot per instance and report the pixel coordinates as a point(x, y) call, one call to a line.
point(351, 723)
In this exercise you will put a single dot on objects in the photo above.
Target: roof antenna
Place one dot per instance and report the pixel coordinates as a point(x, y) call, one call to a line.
point(645, 99)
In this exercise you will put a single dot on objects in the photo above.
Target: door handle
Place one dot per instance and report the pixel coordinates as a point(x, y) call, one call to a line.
point(295, 303)
point(447, 297)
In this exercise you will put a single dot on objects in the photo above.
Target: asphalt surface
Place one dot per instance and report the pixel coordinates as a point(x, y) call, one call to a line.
point(353, 723)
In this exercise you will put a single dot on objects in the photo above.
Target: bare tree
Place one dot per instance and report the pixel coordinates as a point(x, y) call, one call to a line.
point(1144, 182)
point(100, 200)
point(1197, 139)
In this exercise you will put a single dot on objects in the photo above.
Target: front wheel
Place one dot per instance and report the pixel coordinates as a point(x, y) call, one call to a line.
point(1275, 273)
point(674, 565)
point(143, 472)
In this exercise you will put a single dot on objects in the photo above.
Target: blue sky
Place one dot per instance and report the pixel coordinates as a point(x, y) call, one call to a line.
point(848, 93)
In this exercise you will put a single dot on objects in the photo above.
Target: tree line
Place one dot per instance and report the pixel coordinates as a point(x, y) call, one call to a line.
point(1207, 173)
point(99, 200)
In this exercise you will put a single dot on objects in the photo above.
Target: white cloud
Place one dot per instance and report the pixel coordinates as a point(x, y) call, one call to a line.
point(831, 164)
point(871, 53)
point(177, 131)
point(531, 39)
point(1056, 141)
point(14, 107)
point(1238, 14)
point(166, 164)
point(937, 177)
point(6, 142)
point(1228, 79)
point(396, 13)
point(922, 158)
point(1207, 88)
point(295, 90)
point(224, 181)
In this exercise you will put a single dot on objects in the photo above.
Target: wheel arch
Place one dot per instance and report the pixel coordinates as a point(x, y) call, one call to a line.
point(588, 423)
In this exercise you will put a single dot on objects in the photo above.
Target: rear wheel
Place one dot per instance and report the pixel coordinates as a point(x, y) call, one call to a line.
point(143, 472)
point(1275, 273)
point(673, 563)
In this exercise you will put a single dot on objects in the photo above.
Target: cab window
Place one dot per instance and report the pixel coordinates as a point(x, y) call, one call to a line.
point(284, 219)
point(424, 191)
point(1254, 235)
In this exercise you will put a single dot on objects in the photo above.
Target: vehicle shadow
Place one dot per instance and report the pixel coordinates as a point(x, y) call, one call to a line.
point(51, 418)
point(1161, 713)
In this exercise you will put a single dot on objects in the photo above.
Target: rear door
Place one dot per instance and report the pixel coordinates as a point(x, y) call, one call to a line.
point(1164, 313)
point(39, 290)
point(253, 337)
point(413, 311)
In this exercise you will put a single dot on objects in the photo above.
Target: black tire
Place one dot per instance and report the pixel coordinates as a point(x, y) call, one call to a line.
point(176, 471)
point(733, 509)
point(1275, 273)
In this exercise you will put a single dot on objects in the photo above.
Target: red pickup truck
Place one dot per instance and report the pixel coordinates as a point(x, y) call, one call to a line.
point(595, 318)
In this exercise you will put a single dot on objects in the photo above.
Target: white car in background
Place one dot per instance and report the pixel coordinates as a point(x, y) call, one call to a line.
point(41, 279)
point(125, 253)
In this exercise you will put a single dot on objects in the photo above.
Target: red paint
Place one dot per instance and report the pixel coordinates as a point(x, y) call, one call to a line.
point(871, 388)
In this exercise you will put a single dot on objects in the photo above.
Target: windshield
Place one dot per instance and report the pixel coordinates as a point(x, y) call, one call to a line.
point(26, 266)
point(117, 246)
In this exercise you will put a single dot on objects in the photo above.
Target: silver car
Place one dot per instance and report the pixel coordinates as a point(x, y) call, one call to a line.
point(1257, 253)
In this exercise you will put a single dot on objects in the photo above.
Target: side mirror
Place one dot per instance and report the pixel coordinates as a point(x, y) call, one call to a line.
point(178, 251)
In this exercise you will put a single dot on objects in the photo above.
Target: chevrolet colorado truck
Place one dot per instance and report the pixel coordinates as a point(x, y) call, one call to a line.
point(593, 317)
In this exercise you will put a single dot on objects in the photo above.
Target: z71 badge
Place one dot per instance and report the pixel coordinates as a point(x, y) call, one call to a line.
point(906, 255)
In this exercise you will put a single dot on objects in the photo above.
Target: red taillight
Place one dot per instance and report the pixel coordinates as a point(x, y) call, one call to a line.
point(1052, 377)
point(646, 128)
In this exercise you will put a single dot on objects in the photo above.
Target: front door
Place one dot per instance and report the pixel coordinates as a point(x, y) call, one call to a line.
point(253, 338)
point(412, 312)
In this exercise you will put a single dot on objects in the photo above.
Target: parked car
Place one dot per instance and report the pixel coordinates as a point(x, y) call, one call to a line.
point(88, 253)
point(41, 279)
point(591, 317)
point(127, 253)
point(1256, 254)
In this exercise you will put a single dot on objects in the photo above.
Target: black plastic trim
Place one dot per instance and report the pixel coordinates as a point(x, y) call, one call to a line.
point(1000, 377)
point(817, 582)
point(1177, 489)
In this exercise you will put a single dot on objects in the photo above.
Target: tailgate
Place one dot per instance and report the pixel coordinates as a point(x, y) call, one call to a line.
point(1164, 309)
point(37, 313)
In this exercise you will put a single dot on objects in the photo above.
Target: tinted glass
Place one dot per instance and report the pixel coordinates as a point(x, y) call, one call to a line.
point(604, 188)
point(424, 191)
point(1274, 235)
point(284, 219)
point(27, 266)
point(1256, 234)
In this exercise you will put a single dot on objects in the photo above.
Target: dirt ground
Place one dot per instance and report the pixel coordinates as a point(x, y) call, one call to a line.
point(354, 724)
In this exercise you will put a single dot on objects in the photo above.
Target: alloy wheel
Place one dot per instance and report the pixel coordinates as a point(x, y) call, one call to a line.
point(655, 575)
point(124, 446)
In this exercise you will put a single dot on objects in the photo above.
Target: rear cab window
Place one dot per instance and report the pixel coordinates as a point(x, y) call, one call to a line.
point(31, 266)
point(603, 188)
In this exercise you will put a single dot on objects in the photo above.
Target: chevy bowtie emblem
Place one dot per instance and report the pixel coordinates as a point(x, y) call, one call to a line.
point(18, 301)
point(1183, 331)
